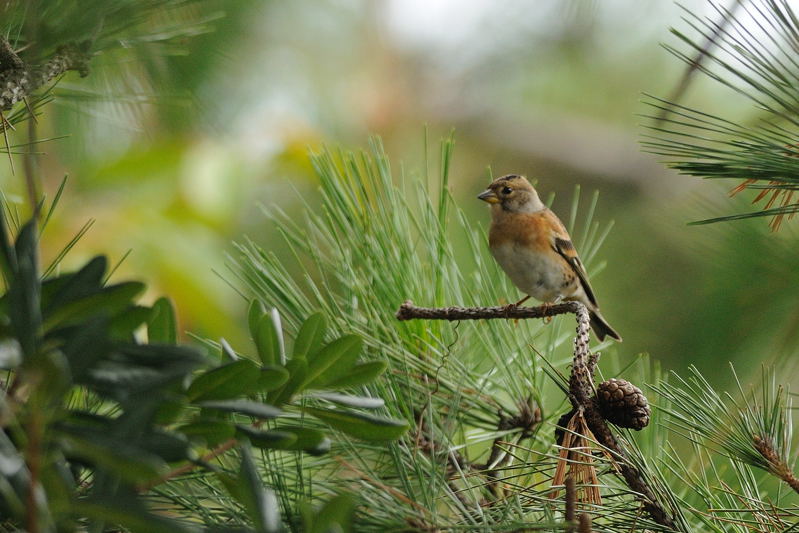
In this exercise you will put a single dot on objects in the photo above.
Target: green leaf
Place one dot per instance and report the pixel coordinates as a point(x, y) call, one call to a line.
point(341, 354)
point(124, 324)
point(272, 378)
point(272, 439)
point(268, 340)
point(71, 287)
point(254, 314)
point(311, 335)
point(358, 375)
point(162, 326)
point(259, 501)
point(24, 291)
point(335, 515)
point(114, 455)
point(245, 407)
point(211, 431)
point(298, 371)
point(309, 440)
point(128, 513)
point(231, 380)
point(359, 425)
point(107, 301)
point(351, 401)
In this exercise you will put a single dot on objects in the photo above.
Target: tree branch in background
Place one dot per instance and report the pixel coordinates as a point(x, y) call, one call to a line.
point(18, 80)
point(581, 386)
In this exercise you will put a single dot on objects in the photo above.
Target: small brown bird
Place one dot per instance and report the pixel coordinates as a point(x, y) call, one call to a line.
point(534, 249)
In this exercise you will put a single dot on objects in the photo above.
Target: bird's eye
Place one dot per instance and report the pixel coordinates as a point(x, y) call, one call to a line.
point(506, 190)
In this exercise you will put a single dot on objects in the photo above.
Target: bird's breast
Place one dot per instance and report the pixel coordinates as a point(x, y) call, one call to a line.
point(539, 275)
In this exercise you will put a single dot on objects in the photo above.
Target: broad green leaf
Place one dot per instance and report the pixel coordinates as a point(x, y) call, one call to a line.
point(333, 360)
point(358, 375)
point(211, 431)
point(359, 425)
point(124, 324)
point(272, 377)
point(254, 314)
point(168, 445)
point(272, 439)
point(311, 335)
point(8, 257)
point(245, 407)
point(24, 290)
point(266, 340)
point(260, 502)
point(310, 440)
point(335, 515)
point(107, 301)
point(114, 455)
point(351, 401)
point(71, 287)
point(162, 326)
point(298, 371)
point(231, 380)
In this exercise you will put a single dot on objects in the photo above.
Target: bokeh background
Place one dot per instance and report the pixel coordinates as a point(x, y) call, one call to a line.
point(174, 155)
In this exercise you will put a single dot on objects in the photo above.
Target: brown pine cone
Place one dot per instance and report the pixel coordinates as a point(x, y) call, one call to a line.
point(623, 404)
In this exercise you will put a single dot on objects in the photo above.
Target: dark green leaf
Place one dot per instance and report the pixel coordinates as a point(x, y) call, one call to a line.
point(254, 314)
point(107, 301)
point(366, 427)
point(168, 445)
point(271, 439)
point(268, 340)
point(88, 280)
point(231, 380)
point(23, 294)
point(162, 326)
point(358, 375)
point(298, 370)
point(333, 361)
point(245, 407)
point(308, 439)
point(211, 431)
point(8, 257)
point(311, 335)
point(335, 515)
point(113, 455)
point(260, 502)
point(125, 323)
point(272, 377)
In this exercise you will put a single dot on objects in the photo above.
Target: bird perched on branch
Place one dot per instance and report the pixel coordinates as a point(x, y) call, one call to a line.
point(534, 249)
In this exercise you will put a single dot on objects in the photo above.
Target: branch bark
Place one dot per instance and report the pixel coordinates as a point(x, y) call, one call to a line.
point(18, 80)
point(581, 385)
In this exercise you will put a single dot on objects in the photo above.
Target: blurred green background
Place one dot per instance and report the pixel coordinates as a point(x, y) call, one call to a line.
point(173, 154)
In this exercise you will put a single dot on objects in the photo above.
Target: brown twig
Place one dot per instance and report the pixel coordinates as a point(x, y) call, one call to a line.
point(570, 511)
point(408, 311)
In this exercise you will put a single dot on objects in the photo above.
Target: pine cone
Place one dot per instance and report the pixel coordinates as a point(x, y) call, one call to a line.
point(623, 404)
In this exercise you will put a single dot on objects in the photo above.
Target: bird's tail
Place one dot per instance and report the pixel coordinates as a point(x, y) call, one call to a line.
point(601, 327)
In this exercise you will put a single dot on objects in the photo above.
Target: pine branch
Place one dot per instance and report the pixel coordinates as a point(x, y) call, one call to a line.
point(580, 384)
point(408, 311)
point(18, 80)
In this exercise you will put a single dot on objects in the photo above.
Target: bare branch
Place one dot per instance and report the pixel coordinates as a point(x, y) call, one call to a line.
point(408, 311)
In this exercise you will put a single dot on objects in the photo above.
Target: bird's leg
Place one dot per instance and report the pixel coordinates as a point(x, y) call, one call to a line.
point(511, 307)
point(547, 305)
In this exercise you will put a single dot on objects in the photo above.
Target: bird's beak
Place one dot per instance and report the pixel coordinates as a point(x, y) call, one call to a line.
point(488, 196)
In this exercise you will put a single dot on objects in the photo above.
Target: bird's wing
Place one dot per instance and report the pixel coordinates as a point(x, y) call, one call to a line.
point(563, 245)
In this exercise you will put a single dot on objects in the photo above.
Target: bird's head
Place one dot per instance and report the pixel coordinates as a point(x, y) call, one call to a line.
point(512, 193)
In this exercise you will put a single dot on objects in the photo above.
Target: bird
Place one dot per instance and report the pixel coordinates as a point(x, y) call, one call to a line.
point(534, 249)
